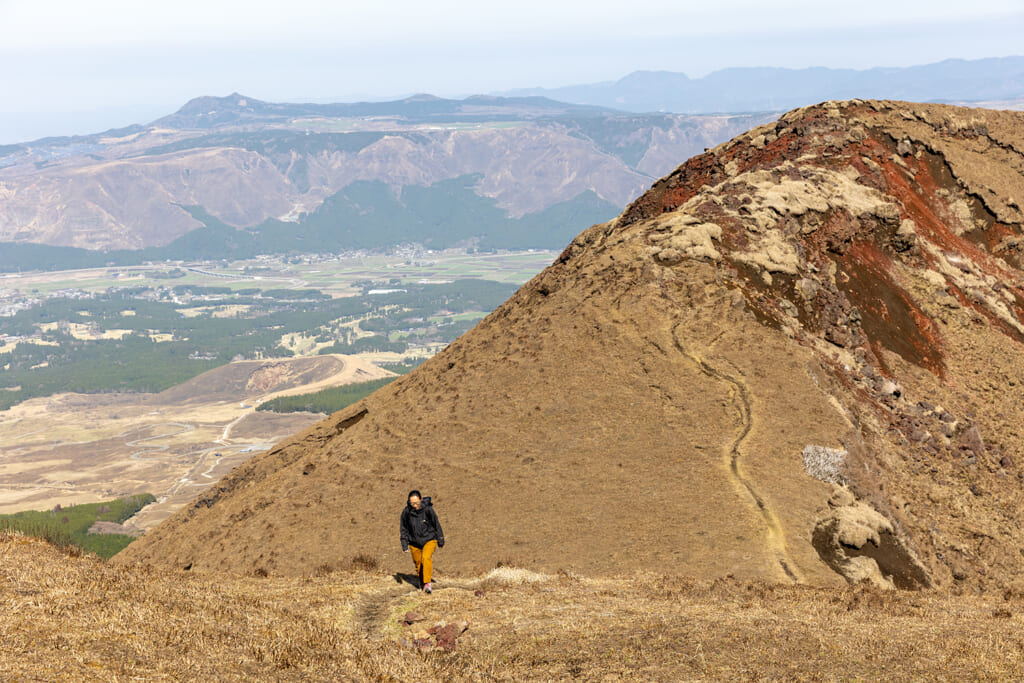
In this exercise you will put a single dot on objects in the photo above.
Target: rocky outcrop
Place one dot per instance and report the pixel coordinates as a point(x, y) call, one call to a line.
point(441, 636)
point(861, 544)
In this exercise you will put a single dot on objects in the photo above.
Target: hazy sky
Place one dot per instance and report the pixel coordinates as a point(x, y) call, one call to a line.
point(74, 66)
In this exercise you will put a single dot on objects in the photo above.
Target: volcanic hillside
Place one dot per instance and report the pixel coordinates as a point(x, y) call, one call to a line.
point(796, 358)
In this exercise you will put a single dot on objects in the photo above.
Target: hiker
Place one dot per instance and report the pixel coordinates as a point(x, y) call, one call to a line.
point(421, 534)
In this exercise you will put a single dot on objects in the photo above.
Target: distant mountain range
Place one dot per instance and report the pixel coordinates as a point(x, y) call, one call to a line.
point(236, 109)
point(234, 177)
point(773, 89)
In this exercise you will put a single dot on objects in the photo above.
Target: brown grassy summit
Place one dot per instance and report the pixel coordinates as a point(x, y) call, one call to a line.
point(796, 359)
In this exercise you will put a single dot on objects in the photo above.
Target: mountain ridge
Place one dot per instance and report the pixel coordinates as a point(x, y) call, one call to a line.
point(800, 347)
point(774, 88)
point(262, 167)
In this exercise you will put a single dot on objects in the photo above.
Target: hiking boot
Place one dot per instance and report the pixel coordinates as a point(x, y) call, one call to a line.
point(428, 588)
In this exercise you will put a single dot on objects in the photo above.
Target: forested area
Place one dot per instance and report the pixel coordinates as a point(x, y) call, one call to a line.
point(363, 215)
point(69, 526)
point(146, 340)
point(326, 401)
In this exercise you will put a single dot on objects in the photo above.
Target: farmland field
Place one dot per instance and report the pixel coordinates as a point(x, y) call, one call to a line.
point(146, 328)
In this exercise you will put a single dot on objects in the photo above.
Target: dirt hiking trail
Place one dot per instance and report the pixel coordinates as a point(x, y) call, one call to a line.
point(739, 393)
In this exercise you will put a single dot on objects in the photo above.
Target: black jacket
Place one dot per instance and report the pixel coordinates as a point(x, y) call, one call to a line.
point(418, 527)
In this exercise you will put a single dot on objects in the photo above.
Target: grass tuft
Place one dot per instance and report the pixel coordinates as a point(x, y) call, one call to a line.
point(514, 576)
point(365, 563)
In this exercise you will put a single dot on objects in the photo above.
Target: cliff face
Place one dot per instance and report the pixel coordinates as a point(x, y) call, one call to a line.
point(246, 164)
point(797, 357)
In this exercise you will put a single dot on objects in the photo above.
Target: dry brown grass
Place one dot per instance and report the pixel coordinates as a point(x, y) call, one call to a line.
point(67, 618)
point(53, 448)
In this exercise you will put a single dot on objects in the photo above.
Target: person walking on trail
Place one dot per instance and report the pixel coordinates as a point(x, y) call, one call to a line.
point(421, 534)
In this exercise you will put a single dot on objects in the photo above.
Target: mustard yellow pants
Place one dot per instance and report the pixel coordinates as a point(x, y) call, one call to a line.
point(422, 559)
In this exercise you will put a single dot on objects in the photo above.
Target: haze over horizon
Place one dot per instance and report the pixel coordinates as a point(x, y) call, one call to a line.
point(76, 69)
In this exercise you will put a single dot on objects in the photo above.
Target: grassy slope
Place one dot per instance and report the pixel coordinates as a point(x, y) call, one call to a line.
point(74, 618)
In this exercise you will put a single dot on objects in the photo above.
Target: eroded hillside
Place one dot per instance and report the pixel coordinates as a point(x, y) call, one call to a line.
point(236, 162)
point(796, 358)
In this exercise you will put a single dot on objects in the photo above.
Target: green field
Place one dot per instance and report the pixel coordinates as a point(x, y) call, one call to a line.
point(147, 328)
point(335, 274)
point(69, 526)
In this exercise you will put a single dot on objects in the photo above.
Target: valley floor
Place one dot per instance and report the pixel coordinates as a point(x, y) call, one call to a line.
point(77, 618)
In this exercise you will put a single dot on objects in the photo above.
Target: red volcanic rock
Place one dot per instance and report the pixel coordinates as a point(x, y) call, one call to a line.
point(446, 634)
point(411, 618)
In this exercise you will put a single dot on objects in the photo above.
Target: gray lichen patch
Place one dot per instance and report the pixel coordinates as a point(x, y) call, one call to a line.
point(769, 205)
point(773, 253)
point(824, 463)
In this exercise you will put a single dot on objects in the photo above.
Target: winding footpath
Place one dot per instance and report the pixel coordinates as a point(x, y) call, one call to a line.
point(739, 395)
point(372, 610)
